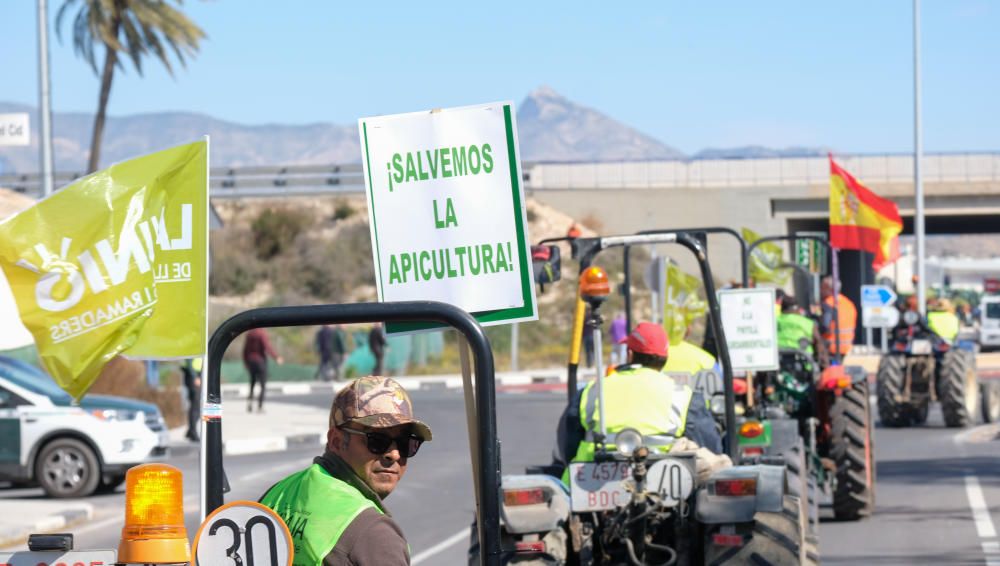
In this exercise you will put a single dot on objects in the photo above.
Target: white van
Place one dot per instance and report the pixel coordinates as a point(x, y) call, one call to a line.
point(989, 321)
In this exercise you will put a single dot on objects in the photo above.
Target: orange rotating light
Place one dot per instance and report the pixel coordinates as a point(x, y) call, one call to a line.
point(154, 530)
point(594, 283)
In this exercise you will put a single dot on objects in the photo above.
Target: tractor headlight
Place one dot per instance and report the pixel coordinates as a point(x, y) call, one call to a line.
point(627, 441)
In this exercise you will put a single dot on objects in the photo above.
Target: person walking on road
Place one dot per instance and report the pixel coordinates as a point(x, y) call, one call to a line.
point(335, 506)
point(588, 342)
point(192, 383)
point(378, 344)
point(330, 345)
point(256, 350)
point(619, 332)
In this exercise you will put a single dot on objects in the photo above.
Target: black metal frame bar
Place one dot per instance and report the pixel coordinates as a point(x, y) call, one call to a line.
point(588, 249)
point(744, 270)
point(830, 251)
point(411, 311)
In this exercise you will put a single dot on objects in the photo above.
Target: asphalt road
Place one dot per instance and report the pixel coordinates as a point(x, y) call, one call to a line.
point(934, 490)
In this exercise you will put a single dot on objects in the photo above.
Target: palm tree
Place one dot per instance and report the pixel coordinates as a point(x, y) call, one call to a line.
point(133, 28)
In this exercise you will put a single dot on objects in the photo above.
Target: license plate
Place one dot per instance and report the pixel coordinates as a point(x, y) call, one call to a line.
point(598, 486)
point(73, 557)
point(920, 347)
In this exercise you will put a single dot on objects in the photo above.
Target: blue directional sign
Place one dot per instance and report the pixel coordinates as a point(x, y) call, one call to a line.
point(877, 296)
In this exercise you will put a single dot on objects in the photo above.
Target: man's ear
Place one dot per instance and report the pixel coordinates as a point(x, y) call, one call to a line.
point(333, 439)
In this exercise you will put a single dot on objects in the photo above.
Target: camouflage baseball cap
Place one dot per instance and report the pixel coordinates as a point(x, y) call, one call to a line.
point(376, 402)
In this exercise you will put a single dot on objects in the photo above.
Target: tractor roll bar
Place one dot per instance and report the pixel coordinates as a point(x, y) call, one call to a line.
point(588, 248)
point(834, 268)
point(410, 311)
point(744, 271)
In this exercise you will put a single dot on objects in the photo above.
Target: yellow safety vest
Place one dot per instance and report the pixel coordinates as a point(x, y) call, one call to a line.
point(686, 357)
point(944, 324)
point(638, 398)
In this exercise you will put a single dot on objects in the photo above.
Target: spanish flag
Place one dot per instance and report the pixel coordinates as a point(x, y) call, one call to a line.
point(862, 220)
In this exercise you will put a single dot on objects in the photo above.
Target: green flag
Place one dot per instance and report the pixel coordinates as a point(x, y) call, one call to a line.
point(683, 304)
point(766, 260)
point(115, 263)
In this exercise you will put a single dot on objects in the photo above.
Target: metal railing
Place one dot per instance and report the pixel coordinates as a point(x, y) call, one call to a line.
point(763, 172)
point(302, 180)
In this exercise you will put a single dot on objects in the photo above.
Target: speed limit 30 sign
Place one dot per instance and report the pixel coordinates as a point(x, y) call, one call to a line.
point(243, 532)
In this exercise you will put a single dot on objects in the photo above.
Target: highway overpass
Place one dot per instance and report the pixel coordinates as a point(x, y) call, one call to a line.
point(769, 195)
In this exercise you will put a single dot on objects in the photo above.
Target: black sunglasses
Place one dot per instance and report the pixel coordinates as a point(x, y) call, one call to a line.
point(379, 444)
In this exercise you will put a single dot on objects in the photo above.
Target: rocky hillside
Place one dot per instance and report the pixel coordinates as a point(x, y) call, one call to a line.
point(550, 128)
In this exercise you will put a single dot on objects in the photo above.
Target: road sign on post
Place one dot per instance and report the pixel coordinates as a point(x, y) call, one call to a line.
point(447, 211)
point(14, 129)
point(748, 320)
point(878, 307)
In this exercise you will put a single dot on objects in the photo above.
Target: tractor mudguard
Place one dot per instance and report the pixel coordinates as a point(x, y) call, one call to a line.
point(534, 518)
point(784, 436)
point(715, 509)
point(857, 374)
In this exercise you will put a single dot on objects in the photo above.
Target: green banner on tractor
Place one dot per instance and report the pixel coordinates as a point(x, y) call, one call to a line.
point(683, 303)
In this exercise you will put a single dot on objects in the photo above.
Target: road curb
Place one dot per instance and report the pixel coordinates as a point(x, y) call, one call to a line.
point(19, 535)
point(242, 390)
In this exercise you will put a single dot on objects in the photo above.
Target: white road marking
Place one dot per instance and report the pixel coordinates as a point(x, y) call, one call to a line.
point(984, 524)
point(446, 543)
point(980, 512)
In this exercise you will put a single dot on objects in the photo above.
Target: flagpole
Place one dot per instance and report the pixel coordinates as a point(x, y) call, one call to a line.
point(918, 214)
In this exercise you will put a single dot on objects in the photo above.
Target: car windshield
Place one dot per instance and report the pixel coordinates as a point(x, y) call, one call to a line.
point(992, 310)
point(33, 379)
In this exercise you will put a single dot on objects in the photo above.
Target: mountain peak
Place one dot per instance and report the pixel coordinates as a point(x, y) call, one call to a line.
point(546, 92)
point(554, 128)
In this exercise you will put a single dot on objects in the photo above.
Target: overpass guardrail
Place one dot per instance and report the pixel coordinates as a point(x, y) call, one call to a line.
point(875, 170)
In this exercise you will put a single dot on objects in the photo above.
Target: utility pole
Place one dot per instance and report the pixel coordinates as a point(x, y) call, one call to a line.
point(918, 182)
point(44, 97)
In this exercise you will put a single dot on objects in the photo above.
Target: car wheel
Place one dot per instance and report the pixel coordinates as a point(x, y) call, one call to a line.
point(110, 483)
point(67, 467)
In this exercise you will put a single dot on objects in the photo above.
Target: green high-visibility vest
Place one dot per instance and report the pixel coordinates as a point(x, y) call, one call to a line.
point(638, 398)
point(944, 324)
point(793, 328)
point(317, 508)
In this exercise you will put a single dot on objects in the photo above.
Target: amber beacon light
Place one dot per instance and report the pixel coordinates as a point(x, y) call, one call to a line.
point(154, 530)
point(594, 283)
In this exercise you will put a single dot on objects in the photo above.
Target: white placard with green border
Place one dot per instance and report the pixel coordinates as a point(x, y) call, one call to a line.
point(447, 211)
point(750, 325)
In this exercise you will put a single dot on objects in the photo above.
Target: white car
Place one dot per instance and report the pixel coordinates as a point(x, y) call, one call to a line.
point(989, 324)
point(70, 449)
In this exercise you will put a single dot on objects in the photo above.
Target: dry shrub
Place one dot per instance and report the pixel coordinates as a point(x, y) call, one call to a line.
point(276, 229)
point(127, 378)
point(593, 222)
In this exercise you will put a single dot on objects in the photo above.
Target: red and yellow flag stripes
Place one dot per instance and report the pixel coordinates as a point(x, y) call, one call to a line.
point(862, 220)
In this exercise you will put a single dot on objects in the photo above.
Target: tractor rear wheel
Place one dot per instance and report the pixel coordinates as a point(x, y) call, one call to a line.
point(891, 381)
point(776, 539)
point(990, 401)
point(852, 451)
point(958, 388)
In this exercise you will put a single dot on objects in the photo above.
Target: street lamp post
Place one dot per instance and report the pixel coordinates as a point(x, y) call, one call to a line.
point(918, 150)
point(44, 97)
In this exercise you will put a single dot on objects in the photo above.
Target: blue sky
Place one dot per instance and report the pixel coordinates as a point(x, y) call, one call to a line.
point(692, 74)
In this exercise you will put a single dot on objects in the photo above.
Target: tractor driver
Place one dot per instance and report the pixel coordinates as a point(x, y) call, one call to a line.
point(799, 332)
point(637, 396)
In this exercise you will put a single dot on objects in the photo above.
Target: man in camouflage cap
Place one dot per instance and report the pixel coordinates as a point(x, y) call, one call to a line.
point(334, 508)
